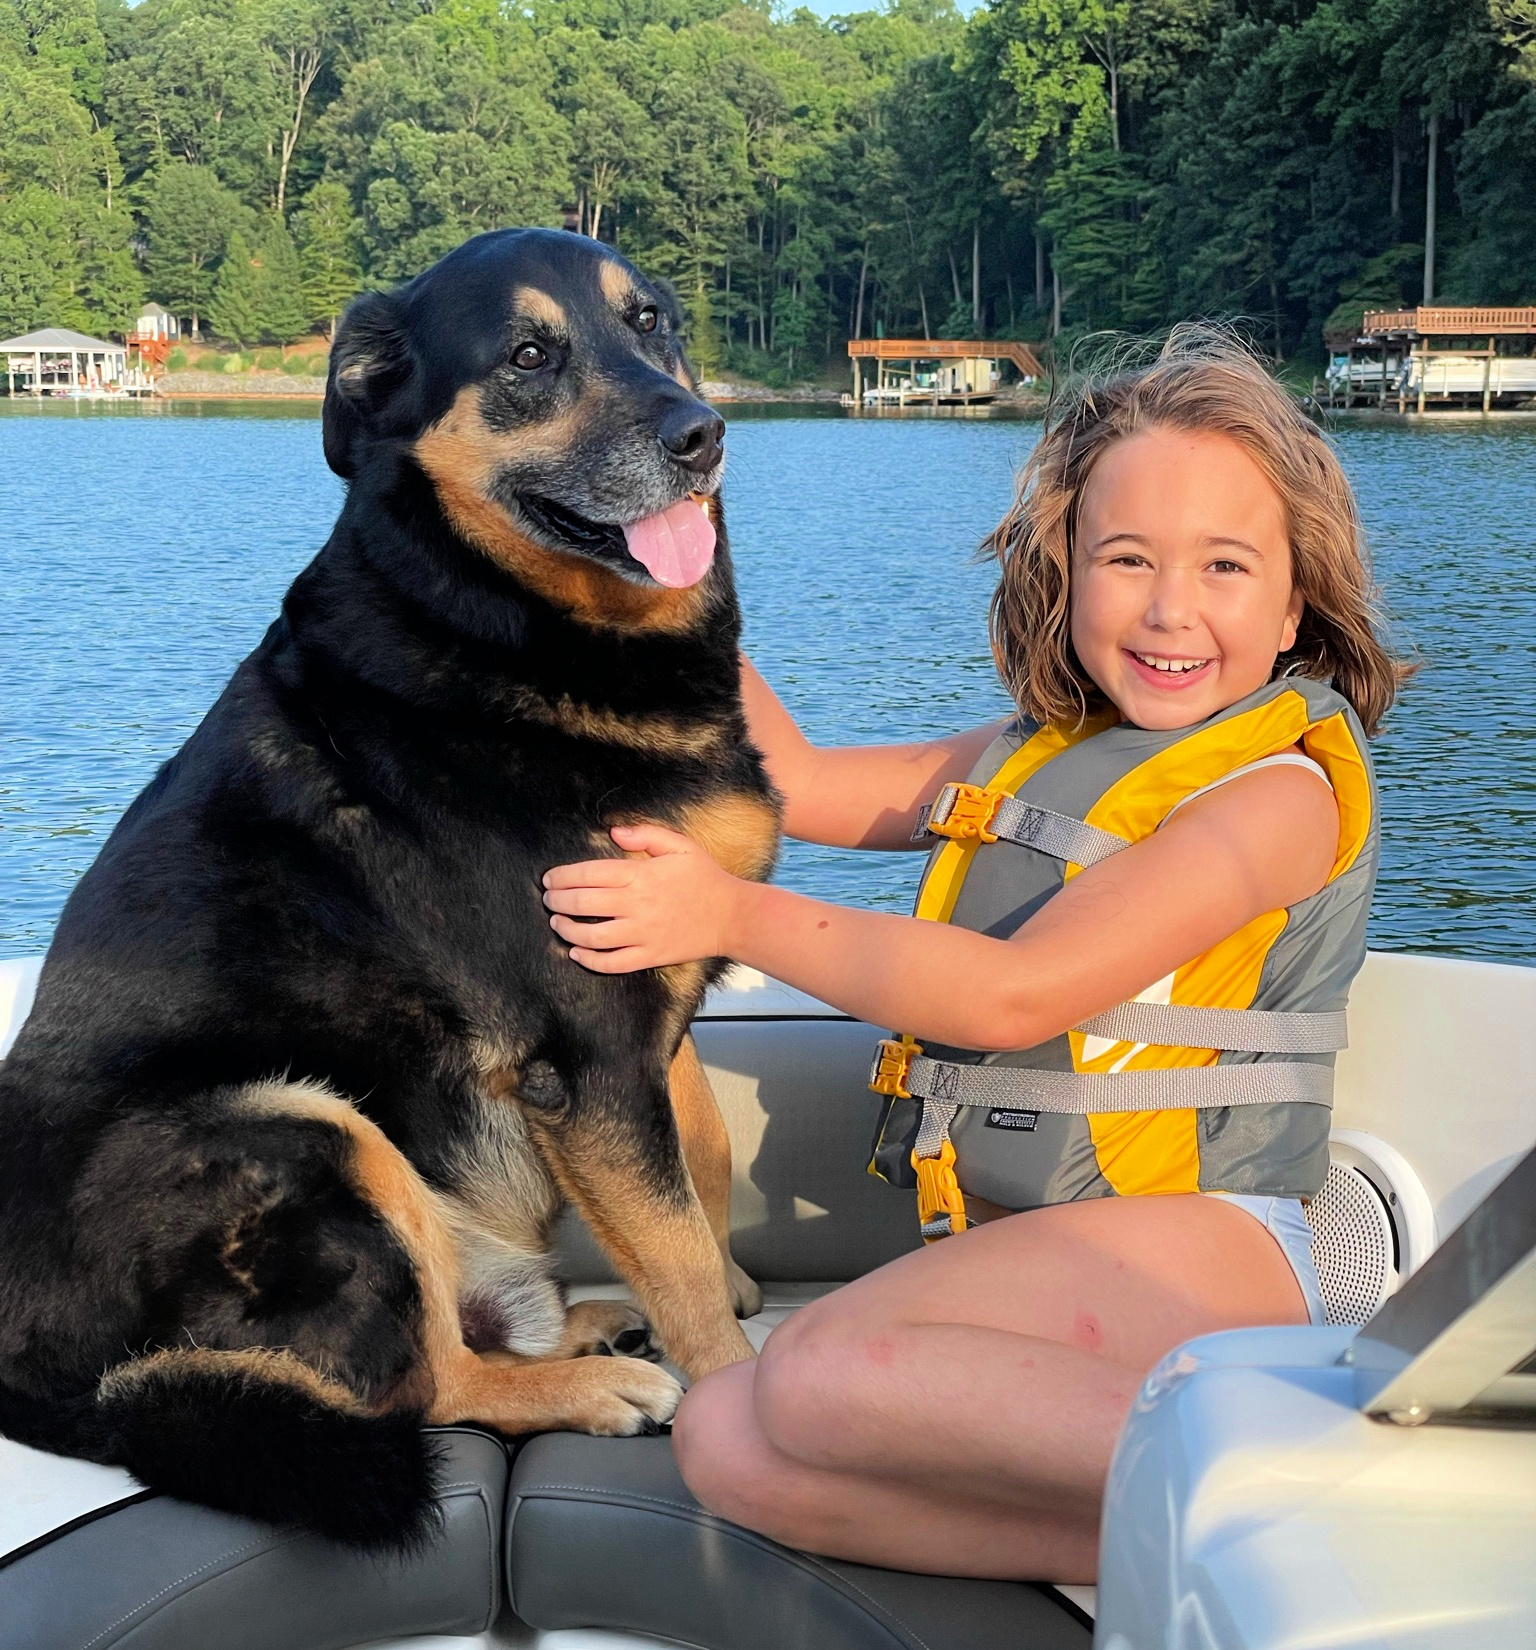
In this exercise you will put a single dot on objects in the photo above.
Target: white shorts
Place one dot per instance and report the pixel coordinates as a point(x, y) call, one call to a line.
point(1286, 1222)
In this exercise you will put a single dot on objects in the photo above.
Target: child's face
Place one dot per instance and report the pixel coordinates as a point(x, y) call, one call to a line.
point(1181, 560)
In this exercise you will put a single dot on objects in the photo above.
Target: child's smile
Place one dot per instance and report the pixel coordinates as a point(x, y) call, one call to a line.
point(1182, 596)
point(1166, 673)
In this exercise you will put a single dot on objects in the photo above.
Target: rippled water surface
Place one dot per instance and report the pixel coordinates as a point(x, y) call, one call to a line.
point(144, 551)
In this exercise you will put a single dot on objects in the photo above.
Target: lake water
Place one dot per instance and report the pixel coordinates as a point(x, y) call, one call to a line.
point(145, 551)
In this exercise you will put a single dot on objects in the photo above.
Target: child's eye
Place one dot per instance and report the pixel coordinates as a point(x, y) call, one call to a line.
point(1225, 566)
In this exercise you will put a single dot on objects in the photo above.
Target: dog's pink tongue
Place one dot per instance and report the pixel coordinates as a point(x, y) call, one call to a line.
point(675, 547)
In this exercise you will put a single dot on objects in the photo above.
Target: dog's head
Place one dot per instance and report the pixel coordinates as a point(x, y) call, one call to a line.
point(539, 382)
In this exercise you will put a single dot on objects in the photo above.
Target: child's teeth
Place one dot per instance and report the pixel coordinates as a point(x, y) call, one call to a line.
point(1175, 667)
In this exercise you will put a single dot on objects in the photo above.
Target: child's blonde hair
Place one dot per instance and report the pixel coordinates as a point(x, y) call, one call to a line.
point(1202, 379)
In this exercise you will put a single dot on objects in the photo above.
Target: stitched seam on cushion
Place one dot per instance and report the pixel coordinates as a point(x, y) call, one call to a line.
point(492, 1529)
point(223, 1558)
point(810, 1559)
point(607, 1494)
point(250, 1546)
point(493, 1558)
point(884, 1609)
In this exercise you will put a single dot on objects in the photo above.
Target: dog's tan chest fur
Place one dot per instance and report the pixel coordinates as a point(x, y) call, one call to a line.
point(739, 831)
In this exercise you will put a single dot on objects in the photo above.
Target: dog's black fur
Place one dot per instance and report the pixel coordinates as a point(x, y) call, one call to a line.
point(336, 882)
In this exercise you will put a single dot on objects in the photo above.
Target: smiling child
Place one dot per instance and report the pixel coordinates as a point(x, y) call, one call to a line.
point(1119, 998)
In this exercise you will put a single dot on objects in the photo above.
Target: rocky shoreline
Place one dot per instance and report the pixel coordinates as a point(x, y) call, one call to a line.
point(713, 389)
point(237, 386)
point(240, 386)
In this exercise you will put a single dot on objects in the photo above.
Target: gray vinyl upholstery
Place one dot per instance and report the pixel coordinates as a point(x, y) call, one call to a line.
point(602, 1532)
point(796, 1102)
point(158, 1574)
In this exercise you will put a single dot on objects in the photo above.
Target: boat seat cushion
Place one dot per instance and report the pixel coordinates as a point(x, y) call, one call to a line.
point(602, 1532)
point(146, 1572)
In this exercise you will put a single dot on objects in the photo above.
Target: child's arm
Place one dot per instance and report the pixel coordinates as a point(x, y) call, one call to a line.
point(856, 796)
point(1257, 844)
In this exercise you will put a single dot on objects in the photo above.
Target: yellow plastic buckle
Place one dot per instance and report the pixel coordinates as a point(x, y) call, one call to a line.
point(964, 813)
point(938, 1191)
point(893, 1060)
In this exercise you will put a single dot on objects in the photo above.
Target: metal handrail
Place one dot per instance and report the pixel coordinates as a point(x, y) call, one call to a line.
point(1458, 1340)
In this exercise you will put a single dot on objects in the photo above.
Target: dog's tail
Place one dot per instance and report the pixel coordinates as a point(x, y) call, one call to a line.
point(257, 1433)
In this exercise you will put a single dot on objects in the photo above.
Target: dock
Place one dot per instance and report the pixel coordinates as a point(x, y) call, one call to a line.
point(1465, 357)
point(936, 372)
point(55, 361)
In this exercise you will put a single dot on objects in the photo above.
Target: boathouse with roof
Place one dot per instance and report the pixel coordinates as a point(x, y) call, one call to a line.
point(56, 361)
point(938, 372)
point(1436, 355)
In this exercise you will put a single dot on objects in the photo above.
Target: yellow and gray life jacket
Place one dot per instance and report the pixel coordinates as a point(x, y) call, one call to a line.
point(1217, 1078)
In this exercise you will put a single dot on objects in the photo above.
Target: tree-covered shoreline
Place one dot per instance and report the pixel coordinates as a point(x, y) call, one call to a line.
point(1043, 168)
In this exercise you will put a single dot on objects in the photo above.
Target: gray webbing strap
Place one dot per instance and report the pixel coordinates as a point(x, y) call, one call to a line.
point(1243, 1030)
point(934, 1128)
point(1077, 1093)
point(1058, 835)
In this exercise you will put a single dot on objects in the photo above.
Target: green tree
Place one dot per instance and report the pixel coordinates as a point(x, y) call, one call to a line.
point(109, 285)
point(235, 308)
point(38, 262)
point(1071, 163)
point(703, 142)
point(285, 315)
point(613, 150)
point(296, 37)
point(189, 217)
point(327, 235)
point(65, 263)
point(47, 137)
point(448, 131)
point(66, 35)
point(256, 294)
point(196, 84)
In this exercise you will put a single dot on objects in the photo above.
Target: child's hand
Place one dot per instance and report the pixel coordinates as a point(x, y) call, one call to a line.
point(670, 906)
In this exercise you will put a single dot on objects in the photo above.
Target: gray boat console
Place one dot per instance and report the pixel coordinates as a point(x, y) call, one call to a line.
point(1284, 1487)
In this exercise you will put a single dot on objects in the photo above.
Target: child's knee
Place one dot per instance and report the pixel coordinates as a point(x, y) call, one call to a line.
point(806, 1389)
point(724, 1460)
point(711, 1434)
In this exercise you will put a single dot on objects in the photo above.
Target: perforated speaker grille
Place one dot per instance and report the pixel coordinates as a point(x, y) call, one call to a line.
point(1352, 1245)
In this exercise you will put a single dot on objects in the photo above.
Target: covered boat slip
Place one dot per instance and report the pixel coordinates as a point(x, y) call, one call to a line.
point(946, 372)
point(57, 361)
point(1471, 358)
point(1255, 1502)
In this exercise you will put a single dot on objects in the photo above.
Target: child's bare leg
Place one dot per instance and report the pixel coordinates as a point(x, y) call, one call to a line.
point(736, 1471)
point(956, 1411)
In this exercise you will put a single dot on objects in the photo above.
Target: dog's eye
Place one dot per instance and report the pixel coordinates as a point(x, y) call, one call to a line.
point(646, 320)
point(528, 358)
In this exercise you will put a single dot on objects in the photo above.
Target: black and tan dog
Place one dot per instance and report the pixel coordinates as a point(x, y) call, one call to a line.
point(309, 1077)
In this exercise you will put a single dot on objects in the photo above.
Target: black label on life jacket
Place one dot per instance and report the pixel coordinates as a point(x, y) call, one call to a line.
point(999, 1119)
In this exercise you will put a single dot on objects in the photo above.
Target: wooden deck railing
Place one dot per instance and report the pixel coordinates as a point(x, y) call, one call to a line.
point(1434, 322)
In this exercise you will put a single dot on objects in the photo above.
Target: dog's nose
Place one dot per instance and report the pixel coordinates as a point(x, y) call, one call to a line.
point(693, 435)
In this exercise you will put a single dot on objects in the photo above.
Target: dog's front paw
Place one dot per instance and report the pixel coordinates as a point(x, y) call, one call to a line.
point(608, 1329)
point(620, 1397)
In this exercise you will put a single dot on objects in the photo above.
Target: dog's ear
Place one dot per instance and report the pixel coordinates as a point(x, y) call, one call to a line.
point(370, 362)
